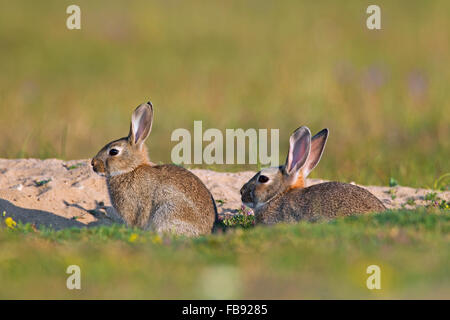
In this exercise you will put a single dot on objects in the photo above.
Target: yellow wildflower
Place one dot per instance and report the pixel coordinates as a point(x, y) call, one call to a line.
point(157, 239)
point(10, 222)
point(133, 237)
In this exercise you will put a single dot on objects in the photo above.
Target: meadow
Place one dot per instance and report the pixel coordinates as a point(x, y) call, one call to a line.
point(315, 261)
point(383, 94)
point(235, 64)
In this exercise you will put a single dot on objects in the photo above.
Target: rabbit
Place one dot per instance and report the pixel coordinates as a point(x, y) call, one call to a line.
point(278, 194)
point(163, 198)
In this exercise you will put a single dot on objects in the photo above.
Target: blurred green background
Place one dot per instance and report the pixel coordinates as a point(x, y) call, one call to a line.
point(235, 64)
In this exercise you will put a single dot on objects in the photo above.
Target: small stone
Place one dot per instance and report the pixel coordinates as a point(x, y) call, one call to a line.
point(17, 187)
point(77, 185)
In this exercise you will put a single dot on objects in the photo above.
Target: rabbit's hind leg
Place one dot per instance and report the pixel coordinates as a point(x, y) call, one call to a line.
point(166, 219)
point(178, 227)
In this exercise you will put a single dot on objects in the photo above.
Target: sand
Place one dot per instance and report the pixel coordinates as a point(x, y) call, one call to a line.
point(65, 194)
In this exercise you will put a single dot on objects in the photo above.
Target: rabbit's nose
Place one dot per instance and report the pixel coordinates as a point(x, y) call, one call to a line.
point(97, 165)
point(93, 165)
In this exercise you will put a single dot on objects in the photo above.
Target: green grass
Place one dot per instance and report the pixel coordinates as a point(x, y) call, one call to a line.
point(321, 260)
point(235, 64)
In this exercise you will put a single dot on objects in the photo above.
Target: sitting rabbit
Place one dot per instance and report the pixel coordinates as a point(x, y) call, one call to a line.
point(279, 194)
point(163, 198)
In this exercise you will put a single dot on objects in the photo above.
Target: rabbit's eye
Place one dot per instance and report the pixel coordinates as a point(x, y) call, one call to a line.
point(263, 179)
point(113, 152)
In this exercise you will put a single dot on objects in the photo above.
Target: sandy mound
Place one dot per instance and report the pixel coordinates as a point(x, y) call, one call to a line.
point(64, 194)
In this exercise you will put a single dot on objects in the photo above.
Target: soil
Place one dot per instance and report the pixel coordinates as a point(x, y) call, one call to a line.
point(65, 194)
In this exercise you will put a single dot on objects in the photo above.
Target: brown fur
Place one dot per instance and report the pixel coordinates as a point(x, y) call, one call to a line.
point(321, 201)
point(300, 183)
point(283, 197)
point(163, 198)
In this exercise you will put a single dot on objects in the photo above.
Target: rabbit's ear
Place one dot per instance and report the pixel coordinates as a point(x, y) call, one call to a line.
point(141, 124)
point(299, 147)
point(317, 146)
